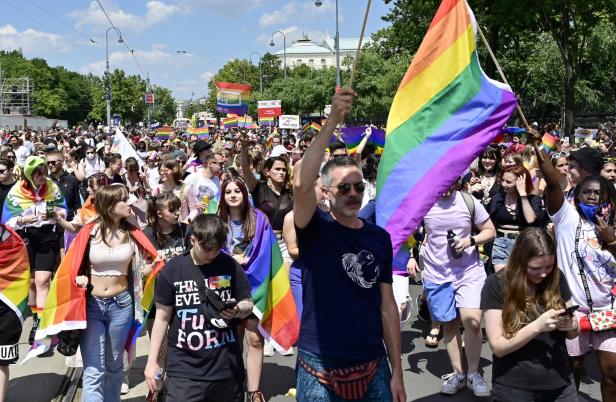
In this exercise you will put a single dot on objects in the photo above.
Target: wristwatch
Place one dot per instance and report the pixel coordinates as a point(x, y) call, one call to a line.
point(473, 241)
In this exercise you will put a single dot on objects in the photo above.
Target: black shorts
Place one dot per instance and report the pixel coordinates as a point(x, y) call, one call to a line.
point(10, 331)
point(43, 247)
point(179, 389)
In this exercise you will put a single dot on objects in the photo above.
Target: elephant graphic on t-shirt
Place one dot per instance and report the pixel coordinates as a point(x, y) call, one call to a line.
point(361, 269)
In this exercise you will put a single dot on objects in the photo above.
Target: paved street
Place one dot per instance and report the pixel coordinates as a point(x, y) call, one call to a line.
point(423, 368)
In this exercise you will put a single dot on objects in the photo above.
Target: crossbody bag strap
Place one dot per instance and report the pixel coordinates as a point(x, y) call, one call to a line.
point(580, 263)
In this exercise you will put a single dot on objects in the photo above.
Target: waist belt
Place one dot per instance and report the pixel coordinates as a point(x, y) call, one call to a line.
point(511, 236)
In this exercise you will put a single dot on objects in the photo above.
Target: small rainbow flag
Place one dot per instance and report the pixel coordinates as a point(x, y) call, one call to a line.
point(230, 122)
point(14, 272)
point(163, 133)
point(274, 304)
point(266, 121)
point(446, 111)
point(202, 132)
point(549, 142)
point(314, 126)
point(352, 136)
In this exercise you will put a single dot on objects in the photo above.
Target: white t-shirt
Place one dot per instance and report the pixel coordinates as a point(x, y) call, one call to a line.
point(202, 186)
point(152, 175)
point(21, 155)
point(599, 265)
point(450, 214)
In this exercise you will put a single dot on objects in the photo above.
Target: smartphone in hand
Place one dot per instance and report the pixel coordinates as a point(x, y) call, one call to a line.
point(569, 311)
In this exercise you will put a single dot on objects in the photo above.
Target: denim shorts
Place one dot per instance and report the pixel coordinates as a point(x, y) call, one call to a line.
point(309, 389)
point(501, 249)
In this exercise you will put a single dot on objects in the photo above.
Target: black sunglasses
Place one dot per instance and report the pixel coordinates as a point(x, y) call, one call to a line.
point(53, 162)
point(345, 188)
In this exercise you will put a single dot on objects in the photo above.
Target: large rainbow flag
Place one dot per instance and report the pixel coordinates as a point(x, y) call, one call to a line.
point(230, 122)
point(232, 97)
point(203, 133)
point(274, 304)
point(22, 198)
point(446, 111)
point(14, 271)
point(65, 306)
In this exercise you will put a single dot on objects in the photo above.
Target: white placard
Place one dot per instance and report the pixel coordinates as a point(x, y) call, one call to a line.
point(289, 121)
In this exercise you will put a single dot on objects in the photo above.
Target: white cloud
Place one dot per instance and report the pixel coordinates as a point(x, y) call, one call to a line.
point(31, 42)
point(206, 76)
point(152, 60)
point(220, 7)
point(93, 17)
point(294, 11)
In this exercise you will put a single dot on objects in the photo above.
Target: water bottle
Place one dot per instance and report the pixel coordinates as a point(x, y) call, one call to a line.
point(153, 396)
point(452, 239)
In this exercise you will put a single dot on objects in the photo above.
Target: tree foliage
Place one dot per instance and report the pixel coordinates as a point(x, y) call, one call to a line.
point(62, 94)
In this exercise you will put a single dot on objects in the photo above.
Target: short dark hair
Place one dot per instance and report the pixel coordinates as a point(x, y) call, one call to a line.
point(111, 159)
point(343, 161)
point(336, 145)
point(210, 230)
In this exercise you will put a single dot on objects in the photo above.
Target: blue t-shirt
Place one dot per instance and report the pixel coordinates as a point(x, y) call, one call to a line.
point(341, 272)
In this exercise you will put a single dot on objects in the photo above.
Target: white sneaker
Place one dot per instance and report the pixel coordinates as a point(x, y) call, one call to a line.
point(476, 383)
point(453, 383)
point(268, 350)
point(125, 385)
point(288, 352)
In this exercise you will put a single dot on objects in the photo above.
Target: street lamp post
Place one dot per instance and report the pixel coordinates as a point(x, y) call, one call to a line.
point(284, 49)
point(260, 73)
point(107, 73)
point(318, 3)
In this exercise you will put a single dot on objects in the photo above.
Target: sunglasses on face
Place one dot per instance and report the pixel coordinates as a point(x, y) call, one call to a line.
point(90, 153)
point(345, 188)
point(3, 171)
point(339, 155)
point(53, 162)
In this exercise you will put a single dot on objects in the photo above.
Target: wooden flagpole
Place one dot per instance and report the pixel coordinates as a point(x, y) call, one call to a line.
point(500, 71)
point(358, 51)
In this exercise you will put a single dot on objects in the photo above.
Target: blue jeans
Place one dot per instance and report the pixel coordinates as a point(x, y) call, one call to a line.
point(109, 321)
point(295, 278)
point(309, 389)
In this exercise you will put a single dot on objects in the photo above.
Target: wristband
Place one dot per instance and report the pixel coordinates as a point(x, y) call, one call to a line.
point(473, 242)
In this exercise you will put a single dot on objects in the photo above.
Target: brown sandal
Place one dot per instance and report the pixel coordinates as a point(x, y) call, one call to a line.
point(432, 339)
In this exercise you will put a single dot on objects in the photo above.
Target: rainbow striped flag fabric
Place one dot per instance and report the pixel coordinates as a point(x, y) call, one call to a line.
point(266, 121)
point(65, 307)
point(163, 133)
point(202, 132)
point(274, 304)
point(14, 272)
point(352, 136)
point(445, 112)
point(230, 122)
point(21, 199)
point(549, 142)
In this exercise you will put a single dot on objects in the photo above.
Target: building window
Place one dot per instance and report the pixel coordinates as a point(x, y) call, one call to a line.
point(311, 62)
point(323, 62)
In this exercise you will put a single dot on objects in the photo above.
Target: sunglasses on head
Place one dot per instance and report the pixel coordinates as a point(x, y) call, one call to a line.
point(345, 188)
point(562, 154)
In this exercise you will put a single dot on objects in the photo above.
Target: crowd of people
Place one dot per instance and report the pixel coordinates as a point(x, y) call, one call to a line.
point(524, 242)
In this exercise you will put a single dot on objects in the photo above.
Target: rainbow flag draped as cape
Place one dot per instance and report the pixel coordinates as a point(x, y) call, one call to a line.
point(65, 307)
point(21, 197)
point(446, 111)
point(274, 304)
point(14, 271)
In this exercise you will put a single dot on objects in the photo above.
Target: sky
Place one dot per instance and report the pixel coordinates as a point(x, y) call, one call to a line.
point(179, 43)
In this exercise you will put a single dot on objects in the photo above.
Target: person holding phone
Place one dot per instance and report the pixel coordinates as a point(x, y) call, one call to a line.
point(527, 323)
point(29, 208)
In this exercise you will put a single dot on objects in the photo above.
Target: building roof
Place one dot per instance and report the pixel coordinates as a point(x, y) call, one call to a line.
point(345, 43)
point(304, 46)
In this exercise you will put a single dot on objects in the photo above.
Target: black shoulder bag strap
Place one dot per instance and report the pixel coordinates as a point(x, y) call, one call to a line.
point(580, 263)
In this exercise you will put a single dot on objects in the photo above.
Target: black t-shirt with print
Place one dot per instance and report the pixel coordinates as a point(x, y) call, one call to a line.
point(197, 349)
point(342, 269)
point(542, 363)
point(175, 243)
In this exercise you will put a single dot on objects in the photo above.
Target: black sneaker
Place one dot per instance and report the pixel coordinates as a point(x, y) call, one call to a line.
point(255, 396)
point(422, 310)
point(35, 325)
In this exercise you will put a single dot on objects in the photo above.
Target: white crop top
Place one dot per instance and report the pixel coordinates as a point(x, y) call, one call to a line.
point(107, 261)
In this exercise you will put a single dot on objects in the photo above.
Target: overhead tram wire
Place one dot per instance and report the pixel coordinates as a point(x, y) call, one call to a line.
point(131, 51)
point(62, 21)
point(47, 28)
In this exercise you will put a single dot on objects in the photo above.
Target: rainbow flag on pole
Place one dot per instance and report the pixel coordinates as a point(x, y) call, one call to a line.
point(14, 272)
point(549, 142)
point(274, 304)
point(446, 111)
point(230, 122)
point(202, 132)
point(163, 133)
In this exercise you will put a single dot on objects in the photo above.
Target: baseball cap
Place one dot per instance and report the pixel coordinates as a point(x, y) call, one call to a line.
point(278, 150)
point(201, 146)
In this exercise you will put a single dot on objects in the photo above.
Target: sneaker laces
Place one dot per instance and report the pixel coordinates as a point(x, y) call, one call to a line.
point(476, 379)
point(457, 377)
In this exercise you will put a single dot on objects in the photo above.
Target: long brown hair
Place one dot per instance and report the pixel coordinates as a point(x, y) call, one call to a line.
point(249, 219)
point(104, 203)
point(158, 203)
point(520, 304)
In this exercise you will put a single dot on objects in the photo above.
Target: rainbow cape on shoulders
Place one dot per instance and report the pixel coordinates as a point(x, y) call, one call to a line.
point(21, 197)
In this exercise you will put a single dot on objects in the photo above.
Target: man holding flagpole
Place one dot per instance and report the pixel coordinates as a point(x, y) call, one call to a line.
point(350, 322)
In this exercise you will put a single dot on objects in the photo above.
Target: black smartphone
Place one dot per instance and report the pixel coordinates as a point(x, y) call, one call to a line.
point(49, 209)
point(569, 311)
point(230, 304)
